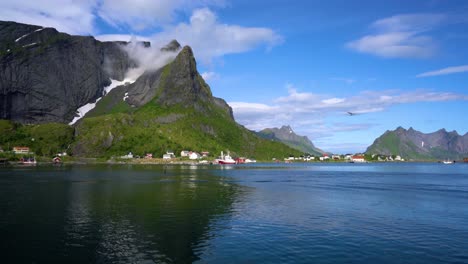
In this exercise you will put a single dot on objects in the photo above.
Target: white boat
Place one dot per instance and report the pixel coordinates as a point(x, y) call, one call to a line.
point(447, 162)
point(225, 159)
point(28, 161)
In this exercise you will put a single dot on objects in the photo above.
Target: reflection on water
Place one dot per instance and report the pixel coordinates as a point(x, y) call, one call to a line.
point(111, 214)
point(259, 213)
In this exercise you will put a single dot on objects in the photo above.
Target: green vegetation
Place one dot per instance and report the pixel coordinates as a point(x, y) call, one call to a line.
point(44, 139)
point(150, 129)
point(391, 142)
point(156, 129)
point(440, 145)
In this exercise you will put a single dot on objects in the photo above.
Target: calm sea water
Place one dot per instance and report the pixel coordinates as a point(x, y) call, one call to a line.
point(264, 213)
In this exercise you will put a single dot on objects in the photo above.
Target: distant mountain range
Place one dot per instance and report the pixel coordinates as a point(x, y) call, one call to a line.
point(412, 144)
point(286, 135)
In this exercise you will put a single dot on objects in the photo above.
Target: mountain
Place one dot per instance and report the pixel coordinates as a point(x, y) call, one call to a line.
point(46, 76)
point(412, 144)
point(171, 108)
point(286, 135)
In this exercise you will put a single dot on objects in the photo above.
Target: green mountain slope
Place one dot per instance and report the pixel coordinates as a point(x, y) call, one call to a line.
point(412, 144)
point(44, 139)
point(286, 135)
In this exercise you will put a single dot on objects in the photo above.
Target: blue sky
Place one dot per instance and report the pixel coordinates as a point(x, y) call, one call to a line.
point(301, 63)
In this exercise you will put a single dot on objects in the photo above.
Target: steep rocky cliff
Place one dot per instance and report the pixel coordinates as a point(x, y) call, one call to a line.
point(177, 83)
point(412, 144)
point(46, 75)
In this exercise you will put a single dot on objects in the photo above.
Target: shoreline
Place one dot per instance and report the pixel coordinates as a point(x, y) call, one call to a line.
point(93, 161)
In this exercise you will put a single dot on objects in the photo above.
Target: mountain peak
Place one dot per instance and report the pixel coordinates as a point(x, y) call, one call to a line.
point(287, 129)
point(171, 46)
point(286, 135)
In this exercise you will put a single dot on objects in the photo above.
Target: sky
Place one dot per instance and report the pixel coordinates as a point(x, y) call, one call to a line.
point(301, 63)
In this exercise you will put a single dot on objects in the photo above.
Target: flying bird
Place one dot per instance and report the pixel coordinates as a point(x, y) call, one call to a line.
point(351, 114)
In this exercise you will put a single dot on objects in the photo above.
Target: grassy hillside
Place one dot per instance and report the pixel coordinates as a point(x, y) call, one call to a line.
point(156, 129)
point(44, 139)
point(387, 144)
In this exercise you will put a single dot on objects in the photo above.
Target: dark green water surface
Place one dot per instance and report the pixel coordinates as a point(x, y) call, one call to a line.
point(262, 213)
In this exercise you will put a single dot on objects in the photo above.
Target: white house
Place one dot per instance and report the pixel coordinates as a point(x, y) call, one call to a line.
point(185, 153)
point(128, 156)
point(358, 158)
point(169, 155)
point(194, 156)
point(336, 157)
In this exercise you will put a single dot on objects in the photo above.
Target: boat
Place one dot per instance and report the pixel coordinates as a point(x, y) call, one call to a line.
point(447, 162)
point(241, 160)
point(28, 161)
point(57, 160)
point(225, 159)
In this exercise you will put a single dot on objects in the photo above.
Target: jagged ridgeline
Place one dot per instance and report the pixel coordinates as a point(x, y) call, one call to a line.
point(286, 135)
point(415, 145)
point(46, 76)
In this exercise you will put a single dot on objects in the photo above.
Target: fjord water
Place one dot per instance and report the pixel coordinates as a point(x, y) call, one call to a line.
point(262, 213)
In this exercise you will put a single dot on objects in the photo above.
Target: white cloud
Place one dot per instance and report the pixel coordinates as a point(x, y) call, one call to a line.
point(445, 71)
point(401, 36)
point(207, 76)
point(210, 39)
point(121, 37)
point(79, 16)
point(333, 101)
point(395, 45)
point(71, 16)
point(409, 22)
point(296, 110)
point(143, 14)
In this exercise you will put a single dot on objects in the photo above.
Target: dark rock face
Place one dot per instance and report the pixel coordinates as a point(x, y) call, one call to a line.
point(286, 135)
point(178, 83)
point(46, 75)
point(413, 144)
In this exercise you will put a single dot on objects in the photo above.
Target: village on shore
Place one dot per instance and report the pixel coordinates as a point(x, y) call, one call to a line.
point(24, 155)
